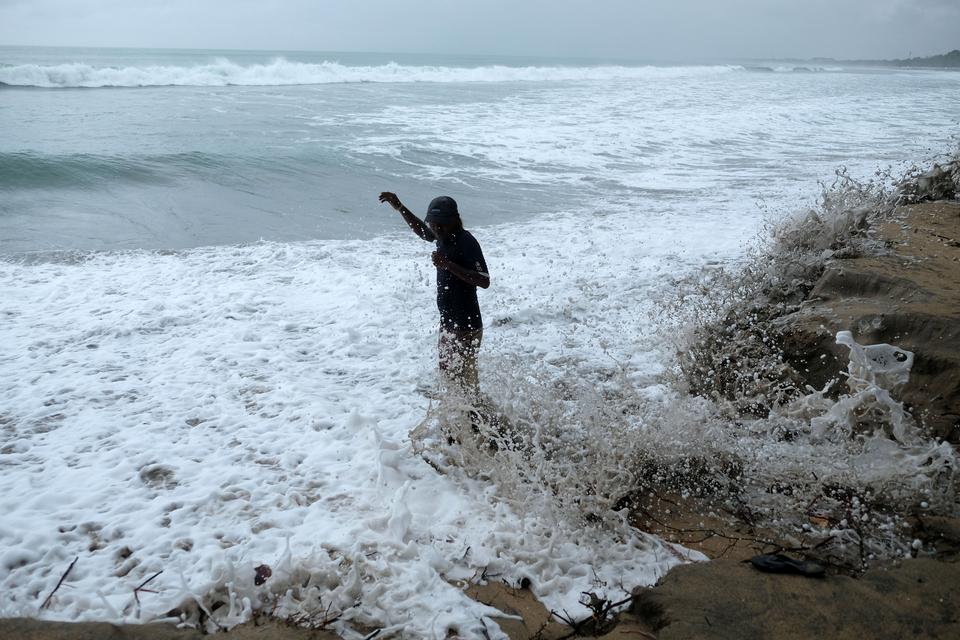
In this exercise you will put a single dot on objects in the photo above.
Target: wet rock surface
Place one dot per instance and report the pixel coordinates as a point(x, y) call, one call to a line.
point(909, 297)
point(918, 598)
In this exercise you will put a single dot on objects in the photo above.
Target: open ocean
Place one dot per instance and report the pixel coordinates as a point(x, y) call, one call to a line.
point(213, 332)
point(121, 149)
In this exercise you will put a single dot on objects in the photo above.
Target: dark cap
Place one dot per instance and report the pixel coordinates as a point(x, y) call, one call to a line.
point(442, 209)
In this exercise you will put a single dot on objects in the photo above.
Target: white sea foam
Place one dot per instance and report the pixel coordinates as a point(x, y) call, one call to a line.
point(201, 413)
point(223, 72)
point(204, 412)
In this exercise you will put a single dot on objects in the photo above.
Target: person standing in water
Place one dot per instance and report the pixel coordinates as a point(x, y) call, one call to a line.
point(460, 270)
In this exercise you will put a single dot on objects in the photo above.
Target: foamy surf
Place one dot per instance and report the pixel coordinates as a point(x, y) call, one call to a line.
point(202, 413)
point(281, 72)
point(196, 415)
point(187, 417)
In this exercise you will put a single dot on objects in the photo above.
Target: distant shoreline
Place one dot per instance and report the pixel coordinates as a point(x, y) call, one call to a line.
point(950, 60)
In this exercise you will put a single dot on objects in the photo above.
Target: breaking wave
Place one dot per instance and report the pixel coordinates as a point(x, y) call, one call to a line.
point(279, 72)
point(790, 69)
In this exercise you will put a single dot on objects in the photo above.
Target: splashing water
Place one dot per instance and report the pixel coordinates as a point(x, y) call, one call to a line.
point(572, 446)
point(855, 460)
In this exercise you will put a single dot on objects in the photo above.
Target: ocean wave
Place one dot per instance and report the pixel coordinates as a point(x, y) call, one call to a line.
point(790, 69)
point(28, 170)
point(279, 72)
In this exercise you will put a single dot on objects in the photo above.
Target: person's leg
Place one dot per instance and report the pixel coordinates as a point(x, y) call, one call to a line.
point(457, 352)
point(470, 347)
point(447, 360)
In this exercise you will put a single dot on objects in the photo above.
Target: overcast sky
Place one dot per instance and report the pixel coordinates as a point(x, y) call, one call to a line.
point(640, 29)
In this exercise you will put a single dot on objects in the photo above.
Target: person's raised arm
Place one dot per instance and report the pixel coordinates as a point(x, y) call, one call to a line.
point(418, 226)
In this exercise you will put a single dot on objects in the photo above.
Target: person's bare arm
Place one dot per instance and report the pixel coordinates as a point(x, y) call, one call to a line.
point(470, 276)
point(418, 226)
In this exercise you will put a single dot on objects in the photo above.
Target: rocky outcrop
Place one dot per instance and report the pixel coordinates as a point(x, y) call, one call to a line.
point(909, 297)
point(729, 599)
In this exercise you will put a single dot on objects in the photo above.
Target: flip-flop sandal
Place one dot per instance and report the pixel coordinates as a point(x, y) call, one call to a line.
point(778, 563)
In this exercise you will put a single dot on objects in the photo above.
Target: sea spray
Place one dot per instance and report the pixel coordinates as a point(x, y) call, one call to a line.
point(553, 445)
point(737, 426)
point(729, 345)
point(852, 460)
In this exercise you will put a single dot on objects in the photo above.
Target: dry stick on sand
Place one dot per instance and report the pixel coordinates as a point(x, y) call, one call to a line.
point(62, 578)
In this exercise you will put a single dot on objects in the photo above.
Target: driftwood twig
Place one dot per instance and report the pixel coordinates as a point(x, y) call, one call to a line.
point(62, 578)
point(143, 584)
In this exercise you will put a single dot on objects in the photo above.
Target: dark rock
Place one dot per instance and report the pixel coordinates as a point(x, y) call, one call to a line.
point(726, 599)
point(910, 298)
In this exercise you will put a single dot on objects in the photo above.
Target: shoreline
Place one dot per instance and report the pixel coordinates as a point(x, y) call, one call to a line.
point(919, 278)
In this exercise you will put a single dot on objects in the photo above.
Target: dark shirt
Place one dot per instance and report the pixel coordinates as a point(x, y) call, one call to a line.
point(456, 299)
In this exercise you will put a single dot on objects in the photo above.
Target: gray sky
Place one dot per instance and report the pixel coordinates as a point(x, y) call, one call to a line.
point(651, 29)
